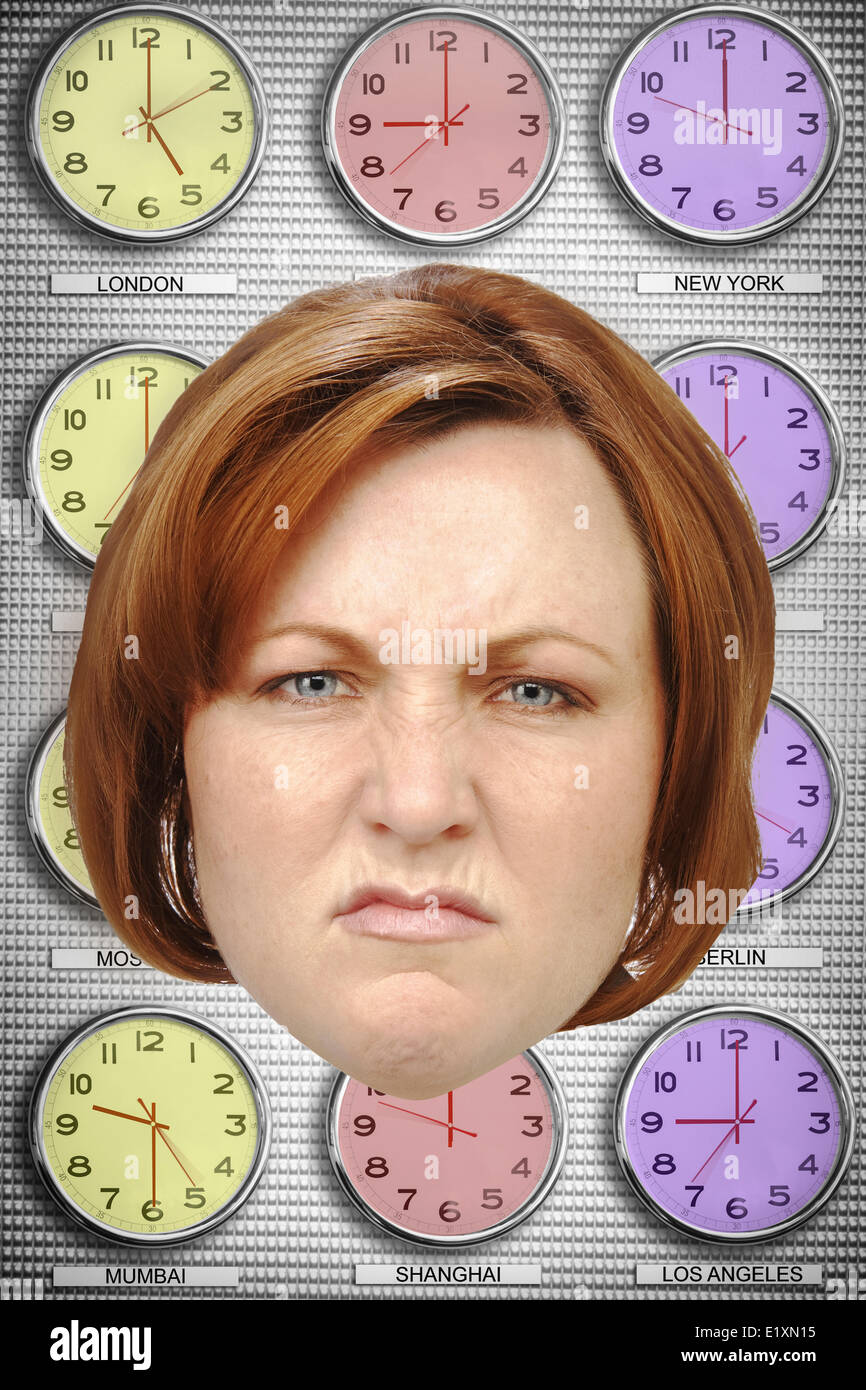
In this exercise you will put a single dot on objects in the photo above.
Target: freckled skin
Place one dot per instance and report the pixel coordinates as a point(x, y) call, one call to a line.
point(417, 775)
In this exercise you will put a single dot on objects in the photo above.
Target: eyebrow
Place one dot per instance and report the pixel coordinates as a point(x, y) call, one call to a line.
point(500, 649)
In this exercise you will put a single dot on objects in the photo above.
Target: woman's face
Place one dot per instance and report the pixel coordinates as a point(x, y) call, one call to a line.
point(420, 853)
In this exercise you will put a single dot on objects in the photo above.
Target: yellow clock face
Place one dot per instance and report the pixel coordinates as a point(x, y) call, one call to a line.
point(90, 433)
point(146, 123)
point(49, 817)
point(150, 1127)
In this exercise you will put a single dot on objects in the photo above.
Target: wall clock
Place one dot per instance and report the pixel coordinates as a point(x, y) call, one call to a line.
point(89, 434)
point(49, 819)
point(721, 124)
point(458, 1169)
point(146, 123)
point(734, 1123)
point(777, 427)
point(443, 126)
point(799, 793)
point(149, 1126)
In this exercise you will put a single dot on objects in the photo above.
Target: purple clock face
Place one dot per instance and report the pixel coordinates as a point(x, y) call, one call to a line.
point(732, 1124)
point(772, 429)
point(720, 123)
point(795, 803)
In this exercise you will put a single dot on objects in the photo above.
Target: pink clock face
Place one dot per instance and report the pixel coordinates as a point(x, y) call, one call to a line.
point(457, 1165)
point(442, 126)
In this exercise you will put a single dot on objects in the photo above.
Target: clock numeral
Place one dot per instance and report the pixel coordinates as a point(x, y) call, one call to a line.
point(377, 1168)
point(405, 199)
point(405, 48)
point(408, 1193)
point(103, 388)
point(74, 420)
point(798, 502)
point(799, 424)
point(651, 1122)
point(226, 1088)
point(724, 38)
point(685, 192)
point(777, 1056)
point(80, 1084)
point(799, 83)
point(79, 1166)
point(109, 1054)
point(66, 1124)
point(739, 1035)
point(148, 207)
point(683, 387)
point(724, 210)
point(373, 84)
point(106, 50)
point(650, 165)
point(372, 166)
point(152, 1211)
point(70, 840)
point(664, 1081)
point(518, 167)
point(151, 41)
point(76, 81)
point(637, 122)
point(359, 124)
point(664, 1164)
point(237, 117)
point(769, 534)
point(195, 1197)
point(449, 1211)
point(75, 163)
point(62, 120)
point(523, 1088)
point(225, 1166)
point(769, 868)
point(155, 1046)
point(223, 84)
point(371, 1092)
point(779, 1195)
point(799, 751)
point(107, 525)
point(538, 1122)
point(110, 187)
point(445, 210)
point(61, 459)
point(797, 166)
point(492, 1198)
point(519, 89)
point(651, 82)
point(364, 1125)
point(521, 1168)
point(73, 501)
point(811, 1084)
point(449, 40)
point(189, 48)
point(736, 1209)
point(191, 193)
point(488, 197)
point(60, 796)
point(242, 1123)
point(808, 116)
point(690, 1046)
point(766, 386)
point(114, 1191)
point(685, 44)
point(536, 128)
point(192, 1052)
point(808, 1165)
point(822, 1128)
point(814, 797)
point(815, 456)
point(697, 1188)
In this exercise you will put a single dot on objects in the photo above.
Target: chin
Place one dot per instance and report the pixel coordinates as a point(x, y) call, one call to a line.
point(415, 1037)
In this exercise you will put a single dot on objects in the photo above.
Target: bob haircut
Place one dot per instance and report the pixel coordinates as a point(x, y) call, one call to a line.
point(255, 439)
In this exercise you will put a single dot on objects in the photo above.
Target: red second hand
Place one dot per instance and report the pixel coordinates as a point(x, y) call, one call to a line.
point(725, 90)
point(419, 1116)
point(724, 1137)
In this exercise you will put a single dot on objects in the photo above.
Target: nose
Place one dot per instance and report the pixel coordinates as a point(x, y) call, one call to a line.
point(418, 783)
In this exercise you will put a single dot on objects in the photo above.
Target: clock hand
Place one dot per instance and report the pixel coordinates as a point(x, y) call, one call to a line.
point(764, 816)
point(175, 1157)
point(419, 1116)
point(737, 1090)
point(445, 127)
point(727, 1121)
point(740, 1120)
point(165, 110)
point(451, 121)
point(152, 1118)
point(725, 393)
point(725, 91)
point(147, 46)
point(450, 1093)
point(124, 1116)
point(152, 127)
point(737, 445)
point(706, 115)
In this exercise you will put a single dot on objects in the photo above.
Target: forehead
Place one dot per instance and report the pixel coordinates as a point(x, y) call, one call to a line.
point(477, 528)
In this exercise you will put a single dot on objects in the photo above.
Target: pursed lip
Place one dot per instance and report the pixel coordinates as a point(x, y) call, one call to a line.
point(436, 914)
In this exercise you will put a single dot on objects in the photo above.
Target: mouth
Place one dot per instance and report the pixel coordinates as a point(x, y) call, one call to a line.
point(436, 914)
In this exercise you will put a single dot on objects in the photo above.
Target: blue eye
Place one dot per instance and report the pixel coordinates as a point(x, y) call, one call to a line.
point(535, 695)
point(315, 683)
